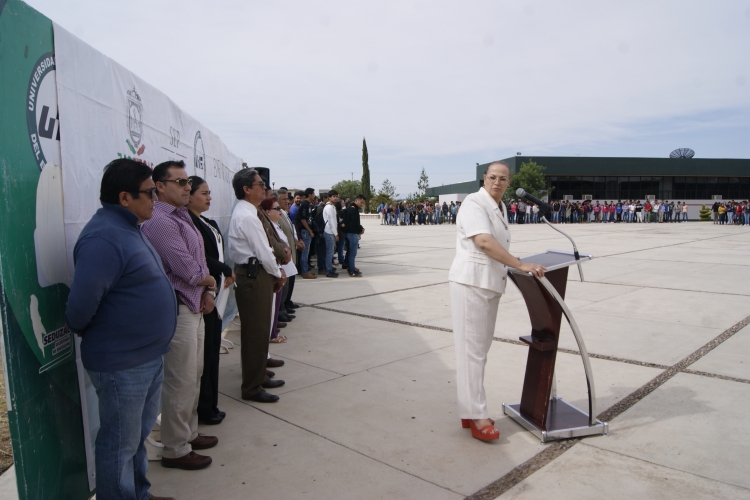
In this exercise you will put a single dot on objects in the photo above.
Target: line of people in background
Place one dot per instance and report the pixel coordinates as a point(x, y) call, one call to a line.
point(571, 212)
point(418, 214)
point(330, 228)
point(731, 212)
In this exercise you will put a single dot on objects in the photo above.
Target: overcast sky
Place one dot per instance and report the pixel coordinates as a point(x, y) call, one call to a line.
point(295, 86)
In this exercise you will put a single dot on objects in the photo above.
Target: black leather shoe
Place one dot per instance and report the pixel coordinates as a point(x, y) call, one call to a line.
point(272, 384)
point(332, 274)
point(281, 324)
point(222, 414)
point(270, 374)
point(293, 305)
point(274, 363)
point(214, 420)
point(262, 397)
point(286, 317)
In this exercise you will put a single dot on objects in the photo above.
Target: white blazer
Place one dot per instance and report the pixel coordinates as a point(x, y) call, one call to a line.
point(480, 215)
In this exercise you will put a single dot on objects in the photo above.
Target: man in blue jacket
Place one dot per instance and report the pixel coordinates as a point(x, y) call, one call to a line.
point(122, 305)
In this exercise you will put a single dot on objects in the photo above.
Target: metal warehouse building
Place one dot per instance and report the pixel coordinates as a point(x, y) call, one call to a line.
point(696, 180)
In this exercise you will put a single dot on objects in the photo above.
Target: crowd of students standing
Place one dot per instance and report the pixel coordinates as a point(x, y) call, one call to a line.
point(420, 213)
point(731, 212)
point(570, 212)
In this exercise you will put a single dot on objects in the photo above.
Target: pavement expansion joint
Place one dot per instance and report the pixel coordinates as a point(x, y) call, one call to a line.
point(373, 294)
point(557, 448)
point(663, 288)
point(716, 375)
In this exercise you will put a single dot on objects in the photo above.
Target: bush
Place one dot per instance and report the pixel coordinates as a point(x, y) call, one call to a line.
point(705, 214)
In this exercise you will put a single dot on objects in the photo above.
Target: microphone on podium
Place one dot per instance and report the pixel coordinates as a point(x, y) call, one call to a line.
point(543, 205)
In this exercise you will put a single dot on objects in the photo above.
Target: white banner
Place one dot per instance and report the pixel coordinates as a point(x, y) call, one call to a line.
point(106, 112)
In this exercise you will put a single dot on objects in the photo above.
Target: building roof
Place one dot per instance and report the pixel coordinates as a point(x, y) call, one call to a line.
point(611, 166)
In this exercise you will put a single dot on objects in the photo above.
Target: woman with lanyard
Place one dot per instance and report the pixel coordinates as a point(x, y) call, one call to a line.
point(200, 201)
point(477, 281)
point(273, 210)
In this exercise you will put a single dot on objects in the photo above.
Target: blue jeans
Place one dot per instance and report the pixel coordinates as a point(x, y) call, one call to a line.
point(330, 246)
point(353, 243)
point(303, 269)
point(128, 406)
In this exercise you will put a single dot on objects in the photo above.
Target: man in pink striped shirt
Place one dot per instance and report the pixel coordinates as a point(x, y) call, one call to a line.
point(180, 246)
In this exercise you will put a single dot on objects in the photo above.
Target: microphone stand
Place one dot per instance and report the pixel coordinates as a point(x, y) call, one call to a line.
point(575, 248)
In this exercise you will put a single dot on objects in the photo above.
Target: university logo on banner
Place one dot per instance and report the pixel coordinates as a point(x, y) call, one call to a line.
point(42, 118)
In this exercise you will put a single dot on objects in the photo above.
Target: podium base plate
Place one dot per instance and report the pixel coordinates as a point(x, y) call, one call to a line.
point(564, 421)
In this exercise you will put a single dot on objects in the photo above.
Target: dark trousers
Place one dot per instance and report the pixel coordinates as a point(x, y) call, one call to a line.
point(254, 302)
point(209, 396)
point(321, 252)
point(288, 298)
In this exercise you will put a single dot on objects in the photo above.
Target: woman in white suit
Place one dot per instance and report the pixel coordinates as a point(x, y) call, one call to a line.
point(477, 281)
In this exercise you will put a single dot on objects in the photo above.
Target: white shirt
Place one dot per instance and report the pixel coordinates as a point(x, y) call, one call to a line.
point(329, 216)
point(480, 214)
point(247, 238)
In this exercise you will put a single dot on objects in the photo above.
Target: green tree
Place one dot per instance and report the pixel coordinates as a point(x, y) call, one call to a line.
point(422, 185)
point(530, 177)
point(386, 194)
point(348, 188)
point(388, 190)
point(366, 192)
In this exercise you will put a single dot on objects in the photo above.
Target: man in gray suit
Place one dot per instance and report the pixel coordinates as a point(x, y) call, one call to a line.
point(287, 306)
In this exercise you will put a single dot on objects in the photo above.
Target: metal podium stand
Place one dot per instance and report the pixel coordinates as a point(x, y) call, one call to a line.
point(541, 411)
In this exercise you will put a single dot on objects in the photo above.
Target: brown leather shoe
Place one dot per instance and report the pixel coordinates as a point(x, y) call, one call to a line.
point(191, 461)
point(274, 363)
point(309, 276)
point(203, 442)
point(153, 497)
point(270, 374)
point(282, 324)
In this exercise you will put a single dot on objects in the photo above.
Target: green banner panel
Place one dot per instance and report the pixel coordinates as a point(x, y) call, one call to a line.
point(44, 404)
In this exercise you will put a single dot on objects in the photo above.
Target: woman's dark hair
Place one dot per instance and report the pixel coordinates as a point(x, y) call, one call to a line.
point(268, 203)
point(122, 175)
point(197, 182)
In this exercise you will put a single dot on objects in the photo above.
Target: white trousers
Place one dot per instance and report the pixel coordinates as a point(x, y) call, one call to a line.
point(474, 314)
point(183, 367)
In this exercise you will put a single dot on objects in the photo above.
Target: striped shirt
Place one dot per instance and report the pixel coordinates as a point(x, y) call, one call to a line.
point(180, 246)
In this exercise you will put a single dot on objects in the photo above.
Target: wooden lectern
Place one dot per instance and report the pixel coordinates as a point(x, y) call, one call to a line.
point(540, 410)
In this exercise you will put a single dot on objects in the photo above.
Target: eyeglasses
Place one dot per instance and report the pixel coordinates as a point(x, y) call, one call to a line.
point(261, 184)
point(180, 182)
point(493, 179)
point(276, 208)
point(150, 192)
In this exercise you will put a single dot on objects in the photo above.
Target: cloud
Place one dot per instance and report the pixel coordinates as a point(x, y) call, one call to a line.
point(296, 85)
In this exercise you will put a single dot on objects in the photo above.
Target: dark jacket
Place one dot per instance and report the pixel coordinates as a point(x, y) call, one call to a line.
point(121, 301)
point(351, 223)
point(215, 267)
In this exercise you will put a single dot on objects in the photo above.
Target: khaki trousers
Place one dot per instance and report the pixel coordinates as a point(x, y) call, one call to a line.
point(255, 305)
point(183, 366)
point(474, 311)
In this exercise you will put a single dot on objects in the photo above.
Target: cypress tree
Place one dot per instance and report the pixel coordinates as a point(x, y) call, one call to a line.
point(366, 192)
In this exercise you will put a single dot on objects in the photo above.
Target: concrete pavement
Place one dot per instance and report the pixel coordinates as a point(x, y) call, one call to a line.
point(368, 409)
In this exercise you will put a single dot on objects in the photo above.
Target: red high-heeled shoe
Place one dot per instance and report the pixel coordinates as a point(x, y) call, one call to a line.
point(465, 422)
point(486, 433)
